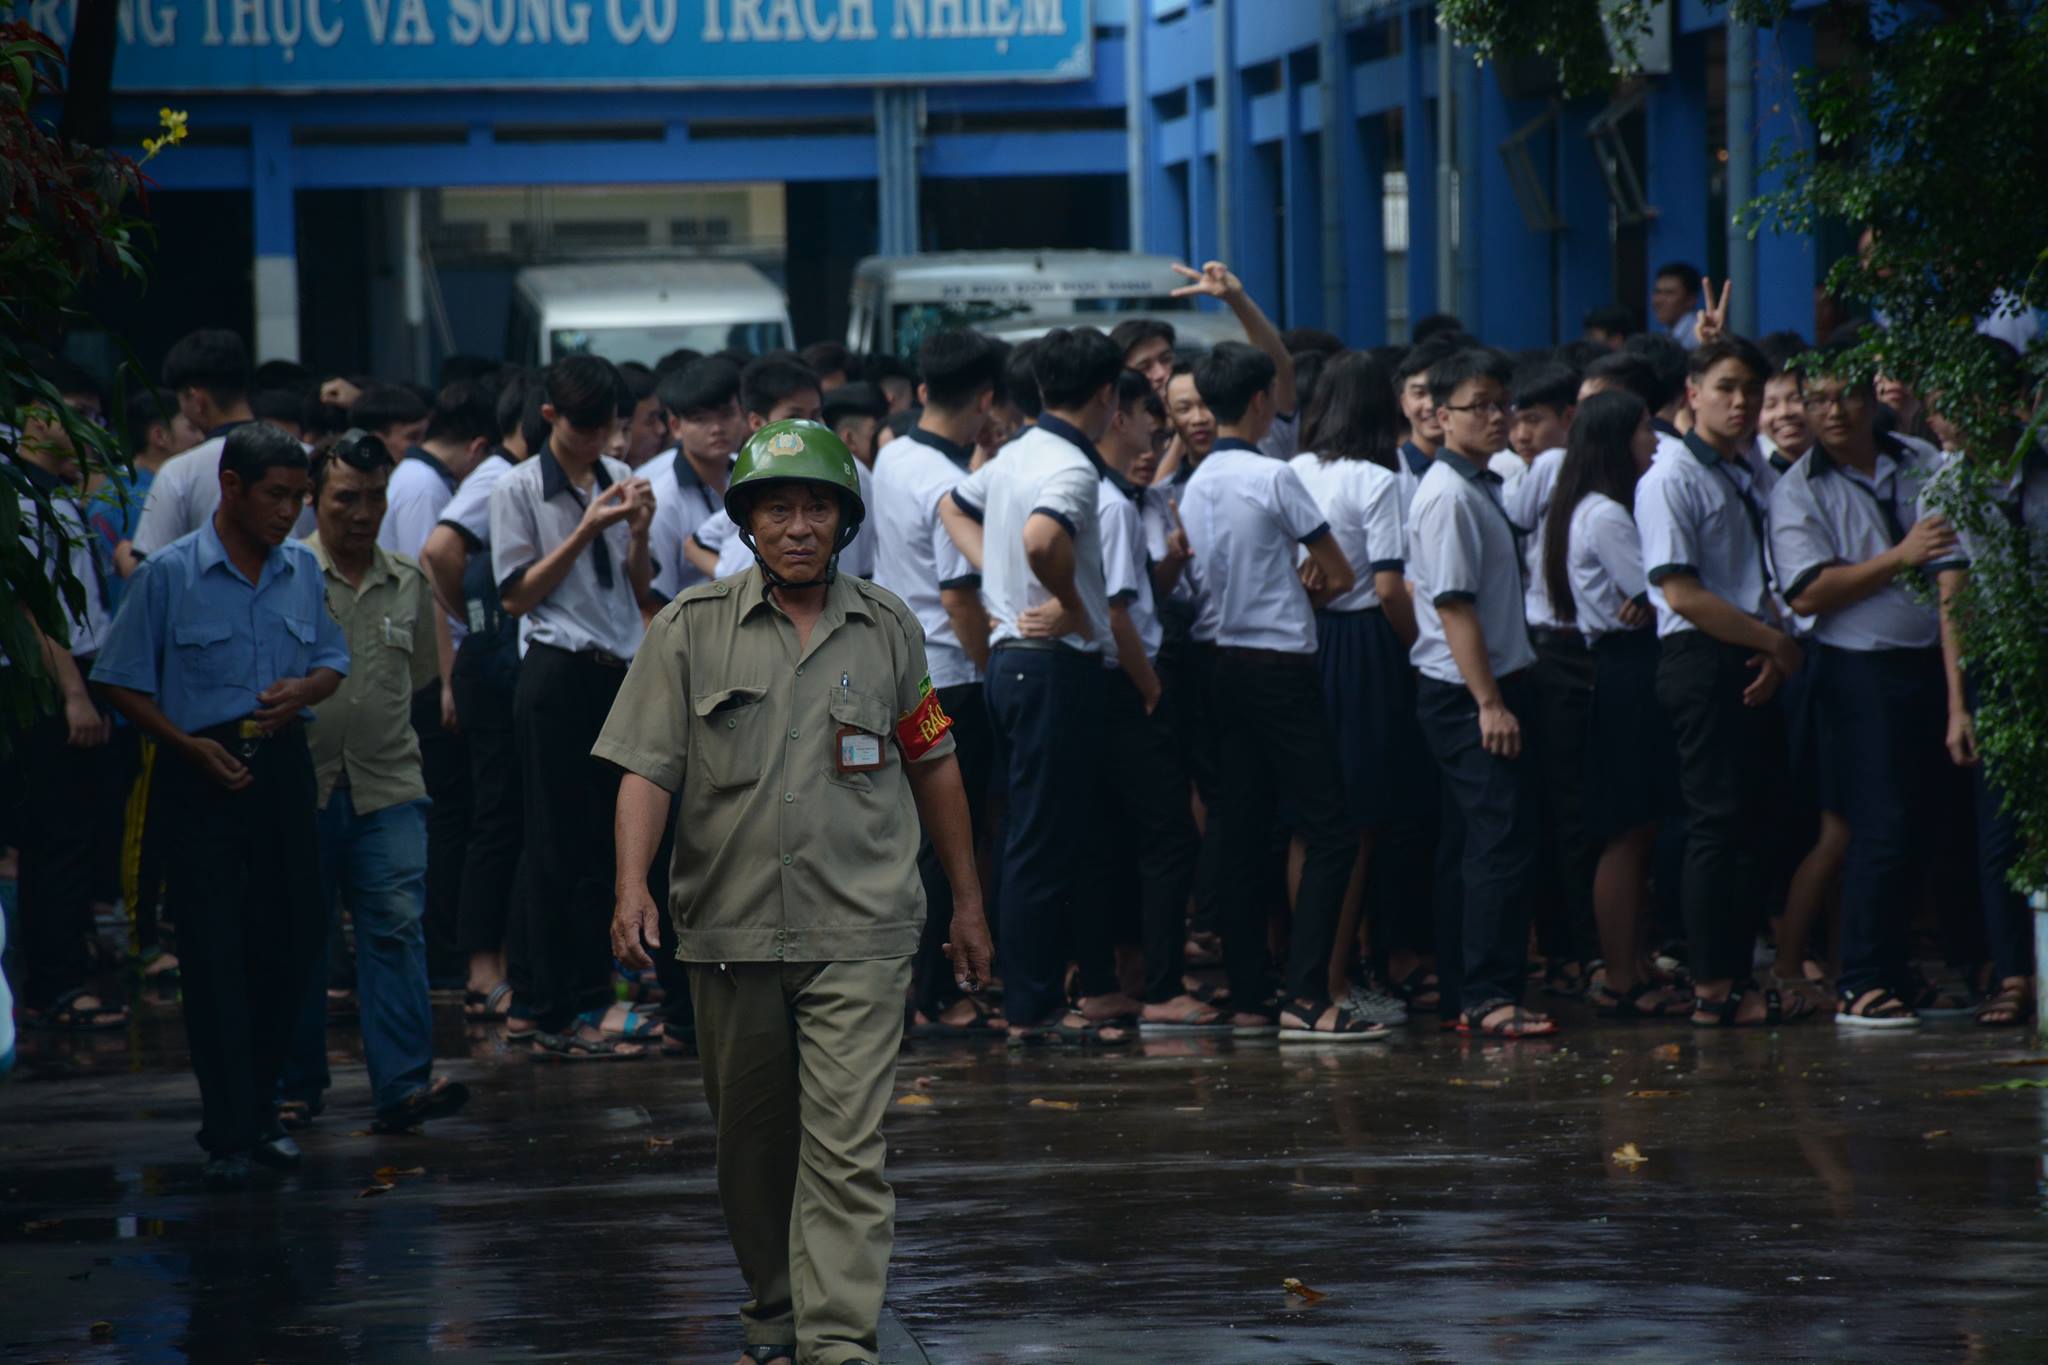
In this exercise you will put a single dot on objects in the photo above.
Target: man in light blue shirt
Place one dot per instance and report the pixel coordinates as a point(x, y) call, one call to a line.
point(221, 646)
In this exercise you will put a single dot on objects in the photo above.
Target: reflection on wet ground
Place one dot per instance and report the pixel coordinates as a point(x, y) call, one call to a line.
point(1802, 1195)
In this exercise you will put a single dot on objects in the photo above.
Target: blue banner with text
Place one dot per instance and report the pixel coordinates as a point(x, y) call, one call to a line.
point(194, 46)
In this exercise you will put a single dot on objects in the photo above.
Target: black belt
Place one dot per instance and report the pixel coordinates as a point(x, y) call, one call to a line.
point(244, 738)
point(1040, 646)
point(1266, 656)
point(1557, 637)
point(604, 658)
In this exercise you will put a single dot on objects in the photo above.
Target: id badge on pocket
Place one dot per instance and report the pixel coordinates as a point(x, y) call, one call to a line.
point(857, 751)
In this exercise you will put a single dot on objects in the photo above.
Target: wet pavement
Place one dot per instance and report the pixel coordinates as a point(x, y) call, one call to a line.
point(1803, 1195)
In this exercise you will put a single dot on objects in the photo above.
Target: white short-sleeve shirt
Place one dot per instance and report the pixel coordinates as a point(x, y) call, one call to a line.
point(535, 508)
point(1527, 499)
point(1362, 503)
point(1604, 559)
point(1246, 513)
point(1051, 469)
point(1126, 566)
point(469, 511)
point(682, 503)
point(184, 493)
point(914, 557)
point(1824, 513)
point(1696, 516)
point(67, 535)
point(415, 501)
point(2021, 502)
point(1410, 465)
point(1462, 548)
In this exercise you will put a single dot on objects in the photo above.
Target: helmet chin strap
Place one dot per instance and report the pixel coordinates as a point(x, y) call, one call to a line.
point(776, 580)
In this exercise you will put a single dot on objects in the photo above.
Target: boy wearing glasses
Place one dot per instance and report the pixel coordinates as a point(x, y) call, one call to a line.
point(1472, 649)
point(1722, 659)
point(569, 549)
point(1848, 549)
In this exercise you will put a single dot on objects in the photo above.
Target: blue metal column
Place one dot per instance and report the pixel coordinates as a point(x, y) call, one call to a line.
point(1482, 191)
point(1676, 149)
point(1336, 128)
point(1301, 199)
point(1418, 158)
point(1506, 286)
point(1364, 151)
point(276, 233)
point(1741, 106)
point(1787, 264)
point(896, 139)
point(1202, 237)
point(1585, 249)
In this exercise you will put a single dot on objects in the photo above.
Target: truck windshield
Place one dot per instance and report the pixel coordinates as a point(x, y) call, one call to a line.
point(650, 343)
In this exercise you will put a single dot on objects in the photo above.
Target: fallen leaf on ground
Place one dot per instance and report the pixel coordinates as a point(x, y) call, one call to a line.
point(101, 1331)
point(1935, 1133)
point(1669, 1052)
point(1055, 1104)
point(655, 1144)
point(2023, 1061)
point(1627, 1155)
point(1477, 1084)
point(1971, 1094)
point(2021, 1084)
point(1302, 1291)
point(915, 1099)
point(361, 1132)
point(388, 1174)
point(1656, 1094)
point(924, 1082)
point(372, 1191)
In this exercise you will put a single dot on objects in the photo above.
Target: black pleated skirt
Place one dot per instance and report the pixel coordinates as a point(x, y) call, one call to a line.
point(1370, 691)
point(1631, 756)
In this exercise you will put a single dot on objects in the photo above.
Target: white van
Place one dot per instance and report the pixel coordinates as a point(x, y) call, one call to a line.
point(899, 300)
point(642, 310)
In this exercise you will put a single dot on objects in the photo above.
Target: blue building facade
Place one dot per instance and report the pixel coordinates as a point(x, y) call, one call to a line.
point(1308, 142)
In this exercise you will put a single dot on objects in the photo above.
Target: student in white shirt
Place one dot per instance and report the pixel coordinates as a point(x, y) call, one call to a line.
point(1847, 538)
point(917, 560)
point(1248, 513)
point(1029, 517)
point(209, 372)
point(702, 403)
point(1411, 391)
point(1151, 829)
point(1592, 565)
point(569, 549)
point(1545, 396)
point(2015, 532)
point(1722, 661)
point(460, 428)
point(1362, 641)
point(1472, 649)
point(457, 561)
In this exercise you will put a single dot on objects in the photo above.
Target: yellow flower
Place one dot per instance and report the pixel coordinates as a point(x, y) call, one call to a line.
point(173, 124)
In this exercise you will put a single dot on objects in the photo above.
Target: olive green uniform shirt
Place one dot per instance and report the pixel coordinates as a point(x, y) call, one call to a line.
point(779, 855)
point(365, 728)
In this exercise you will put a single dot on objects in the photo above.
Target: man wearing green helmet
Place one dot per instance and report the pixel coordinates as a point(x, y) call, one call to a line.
point(789, 712)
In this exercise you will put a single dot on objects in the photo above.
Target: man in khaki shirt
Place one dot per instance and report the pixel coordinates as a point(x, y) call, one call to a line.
point(789, 710)
point(373, 799)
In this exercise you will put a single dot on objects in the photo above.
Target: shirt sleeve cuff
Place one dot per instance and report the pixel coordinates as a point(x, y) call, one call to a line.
point(1664, 571)
point(1124, 598)
point(1805, 580)
point(1444, 597)
point(1313, 536)
point(1388, 565)
point(964, 583)
point(664, 773)
point(972, 511)
point(505, 584)
point(469, 537)
point(1066, 522)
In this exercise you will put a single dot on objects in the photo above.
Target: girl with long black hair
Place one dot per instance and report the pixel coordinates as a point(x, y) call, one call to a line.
point(1593, 567)
point(1350, 435)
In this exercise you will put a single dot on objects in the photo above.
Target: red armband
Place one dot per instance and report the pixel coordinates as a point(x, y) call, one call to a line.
point(920, 731)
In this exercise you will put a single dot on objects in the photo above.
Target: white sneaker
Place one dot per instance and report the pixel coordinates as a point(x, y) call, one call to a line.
point(1371, 1003)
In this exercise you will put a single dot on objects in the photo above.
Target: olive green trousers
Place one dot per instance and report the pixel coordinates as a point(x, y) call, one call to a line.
point(799, 1061)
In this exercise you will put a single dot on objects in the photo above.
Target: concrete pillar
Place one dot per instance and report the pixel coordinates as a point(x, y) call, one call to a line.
point(1741, 108)
point(896, 159)
point(276, 234)
point(1138, 175)
point(1675, 145)
point(1228, 135)
point(1418, 157)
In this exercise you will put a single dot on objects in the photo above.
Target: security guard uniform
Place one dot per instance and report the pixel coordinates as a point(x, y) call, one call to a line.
point(796, 899)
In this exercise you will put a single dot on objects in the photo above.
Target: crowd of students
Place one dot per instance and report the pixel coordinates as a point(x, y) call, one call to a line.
point(1370, 677)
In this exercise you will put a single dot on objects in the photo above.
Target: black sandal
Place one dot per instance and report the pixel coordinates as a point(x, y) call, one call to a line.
point(1522, 1023)
point(1345, 1028)
point(1884, 1010)
point(1419, 983)
point(66, 1015)
point(1724, 1012)
point(571, 1047)
point(1629, 1004)
point(1090, 1032)
point(1566, 980)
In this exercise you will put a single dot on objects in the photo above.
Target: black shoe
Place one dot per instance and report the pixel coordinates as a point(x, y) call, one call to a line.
point(230, 1172)
point(436, 1100)
point(279, 1153)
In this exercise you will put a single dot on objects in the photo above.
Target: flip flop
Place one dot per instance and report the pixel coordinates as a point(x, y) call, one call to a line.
point(66, 1015)
point(482, 1005)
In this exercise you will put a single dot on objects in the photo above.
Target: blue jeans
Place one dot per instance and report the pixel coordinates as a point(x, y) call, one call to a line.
point(376, 866)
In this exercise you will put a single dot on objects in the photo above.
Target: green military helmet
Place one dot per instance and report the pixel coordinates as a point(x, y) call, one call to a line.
point(802, 450)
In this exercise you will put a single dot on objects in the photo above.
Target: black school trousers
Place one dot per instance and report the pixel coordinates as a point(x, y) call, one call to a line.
point(558, 948)
point(1273, 741)
point(933, 986)
point(1561, 684)
point(444, 765)
point(1731, 766)
point(1150, 828)
point(1488, 858)
point(244, 870)
point(485, 685)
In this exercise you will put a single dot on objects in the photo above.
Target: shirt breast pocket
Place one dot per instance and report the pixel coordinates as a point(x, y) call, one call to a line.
point(397, 661)
point(208, 652)
point(871, 717)
point(732, 738)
